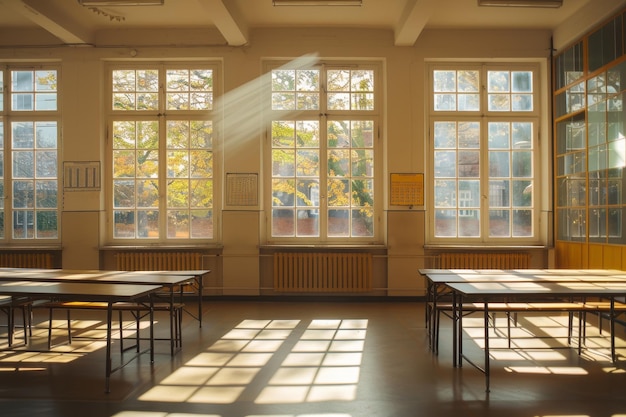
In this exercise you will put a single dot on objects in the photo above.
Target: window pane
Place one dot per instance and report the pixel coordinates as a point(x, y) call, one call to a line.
point(23, 164)
point(469, 164)
point(350, 89)
point(363, 222)
point(362, 162)
point(46, 164)
point(178, 224)
point(201, 223)
point(22, 81)
point(444, 81)
point(307, 163)
point(135, 90)
point(522, 193)
point(445, 102)
point(446, 223)
point(445, 194)
point(499, 223)
point(522, 223)
point(147, 194)
point(124, 221)
point(445, 135)
point(147, 224)
point(23, 224)
point(283, 224)
point(468, 102)
point(469, 81)
point(499, 193)
point(338, 193)
point(522, 81)
point(445, 164)
point(363, 134)
point(307, 223)
point(469, 223)
point(189, 89)
point(499, 164)
point(510, 91)
point(462, 86)
point(338, 223)
point(295, 89)
point(522, 164)
point(47, 224)
point(469, 135)
point(23, 194)
point(499, 102)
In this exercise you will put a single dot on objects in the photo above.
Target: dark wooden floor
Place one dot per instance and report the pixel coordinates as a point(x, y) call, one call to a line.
point(314, 359)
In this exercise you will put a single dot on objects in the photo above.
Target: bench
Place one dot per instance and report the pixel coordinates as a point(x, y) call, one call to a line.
point(8, 305)
point(137, 309)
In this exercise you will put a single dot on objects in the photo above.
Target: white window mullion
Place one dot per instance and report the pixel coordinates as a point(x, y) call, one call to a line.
point(323, 178)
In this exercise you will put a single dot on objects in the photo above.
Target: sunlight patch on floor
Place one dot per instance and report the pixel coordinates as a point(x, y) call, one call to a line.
point(322, 364)
point(551, 370)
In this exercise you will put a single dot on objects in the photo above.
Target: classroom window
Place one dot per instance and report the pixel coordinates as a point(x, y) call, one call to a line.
point(162, 153)
point(590, 144)
point(483, 140)
point(29, 142)
point(324, 153)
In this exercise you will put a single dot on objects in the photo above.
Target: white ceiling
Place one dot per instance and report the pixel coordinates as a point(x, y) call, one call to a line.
point(67, 22)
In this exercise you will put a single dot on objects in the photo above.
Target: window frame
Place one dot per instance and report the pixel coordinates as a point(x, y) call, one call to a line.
point(9, 116)
point(484, 116)
point(323, 115)
point(162, 116)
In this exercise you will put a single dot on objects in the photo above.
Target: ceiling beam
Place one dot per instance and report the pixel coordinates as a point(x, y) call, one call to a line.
point(51, 20)
point(412, 21)
point(228, 22)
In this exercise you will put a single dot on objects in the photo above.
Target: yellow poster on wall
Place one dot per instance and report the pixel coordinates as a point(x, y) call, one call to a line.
point(407, 190)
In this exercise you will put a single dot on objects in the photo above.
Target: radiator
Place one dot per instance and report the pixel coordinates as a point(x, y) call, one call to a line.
point(484, 260)
point(26, 260)
point(322, 272)
point(158, 261)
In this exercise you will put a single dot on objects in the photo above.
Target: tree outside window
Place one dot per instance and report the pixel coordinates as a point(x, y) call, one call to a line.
point(323, 159)
point(162, 154)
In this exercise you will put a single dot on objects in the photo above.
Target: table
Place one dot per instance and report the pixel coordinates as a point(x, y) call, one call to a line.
point(89, 292)
point(75, 274)
point(534, 290)
point(166, 280)
point(438, 280)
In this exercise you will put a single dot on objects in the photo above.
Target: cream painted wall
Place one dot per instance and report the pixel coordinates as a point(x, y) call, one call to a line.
point(80, 231)
point(241, 253)
point(242, 231)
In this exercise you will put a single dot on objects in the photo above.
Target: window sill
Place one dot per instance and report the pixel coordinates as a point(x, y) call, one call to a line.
point(159, 247)
point(488, 247)
point(322, 248)
point(31, 248)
